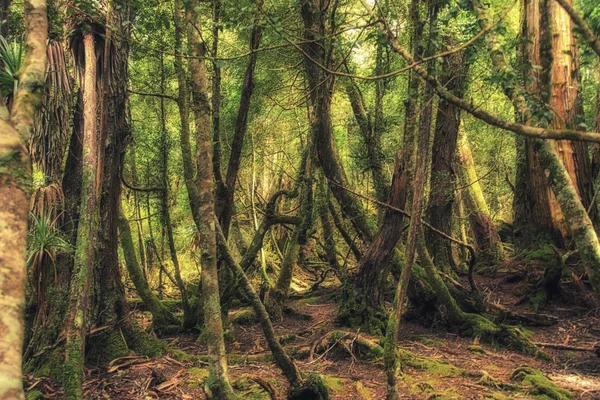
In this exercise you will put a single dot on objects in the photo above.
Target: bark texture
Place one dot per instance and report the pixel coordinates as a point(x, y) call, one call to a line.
point(15, 181)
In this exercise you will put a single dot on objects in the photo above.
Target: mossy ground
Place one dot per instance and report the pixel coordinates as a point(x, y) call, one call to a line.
point(435, 363)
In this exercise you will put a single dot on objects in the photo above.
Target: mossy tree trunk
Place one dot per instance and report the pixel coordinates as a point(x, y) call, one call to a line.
point(161, 317)
point(218, 384)
point(297, 240)
point(485, 235)
point(327, 225)
point(443, 174)
point(193, 317)
point(418, 199)
point(15, 181)
point(318, 46)
point(311, 388)
point(79, 298)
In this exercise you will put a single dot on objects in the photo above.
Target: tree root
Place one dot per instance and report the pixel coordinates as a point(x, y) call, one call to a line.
point(478, 326)
point(351, 343)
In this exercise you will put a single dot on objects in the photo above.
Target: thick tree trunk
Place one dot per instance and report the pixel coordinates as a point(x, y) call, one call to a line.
point(552, 46)
point(14, 133)
point(439, 211)
point(217, 385)
point(79, 298)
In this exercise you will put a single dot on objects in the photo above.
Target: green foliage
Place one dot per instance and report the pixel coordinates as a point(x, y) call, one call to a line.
point(12, 56)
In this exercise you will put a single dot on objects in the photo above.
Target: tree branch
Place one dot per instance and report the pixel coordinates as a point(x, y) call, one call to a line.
point(525, 130)
point(586, 31)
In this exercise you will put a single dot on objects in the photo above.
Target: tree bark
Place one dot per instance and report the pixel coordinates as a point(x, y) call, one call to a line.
point(443, 175)
point(485, 235)
point(161, 317)
point(218, 384)
point(14, 195)
point(79, 298)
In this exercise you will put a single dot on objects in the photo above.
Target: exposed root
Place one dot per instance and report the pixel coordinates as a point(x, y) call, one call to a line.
point(352, 343)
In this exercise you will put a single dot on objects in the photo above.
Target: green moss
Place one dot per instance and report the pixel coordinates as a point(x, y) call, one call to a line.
point(334, 383)
point(428, 341)
point(35, 395)
point(354, 312)
point(433, 367)
point(244, 317)
point(107, 347)
point(476, 349)
point(535, 383)
point(249, 389)
point(287, 338)
point(195, 377)
point(311, 300)
point(314, 388)
point(143, 343)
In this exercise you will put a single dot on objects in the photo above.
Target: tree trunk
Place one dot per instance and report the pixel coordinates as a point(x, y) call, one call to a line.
point(16, 177)
point(217, 384)
point(225, 202)
point(485, 235)
point(295, 243)
point(439, 211)
point(320, 84)
point(161, 317)
point(392, 332)
point(79, 297)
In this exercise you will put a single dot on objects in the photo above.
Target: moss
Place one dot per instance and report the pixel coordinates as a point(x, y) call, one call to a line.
point(534, 382)
point(287, 338)
point(143, 343)
point(244, 317)
point(478, 326)
point(334, 383)
point(354, 312)
point(35, 395)
point(293, 312)
point(544, 253)
point(311, 300)
point(476, 349)
point(433, 367)
point(314, 388)
point(195, 377)
point(249, 389)
point(107, 347)
point(428, 341)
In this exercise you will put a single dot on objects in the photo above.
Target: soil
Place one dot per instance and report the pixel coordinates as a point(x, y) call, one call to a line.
point(351, 377)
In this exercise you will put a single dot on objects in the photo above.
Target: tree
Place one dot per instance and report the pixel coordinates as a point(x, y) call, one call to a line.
point(17, 126)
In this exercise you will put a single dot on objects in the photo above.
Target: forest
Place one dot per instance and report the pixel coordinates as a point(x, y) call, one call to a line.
point(299, 199)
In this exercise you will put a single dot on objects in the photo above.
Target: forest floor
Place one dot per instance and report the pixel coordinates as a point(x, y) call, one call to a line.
point(444, 365)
